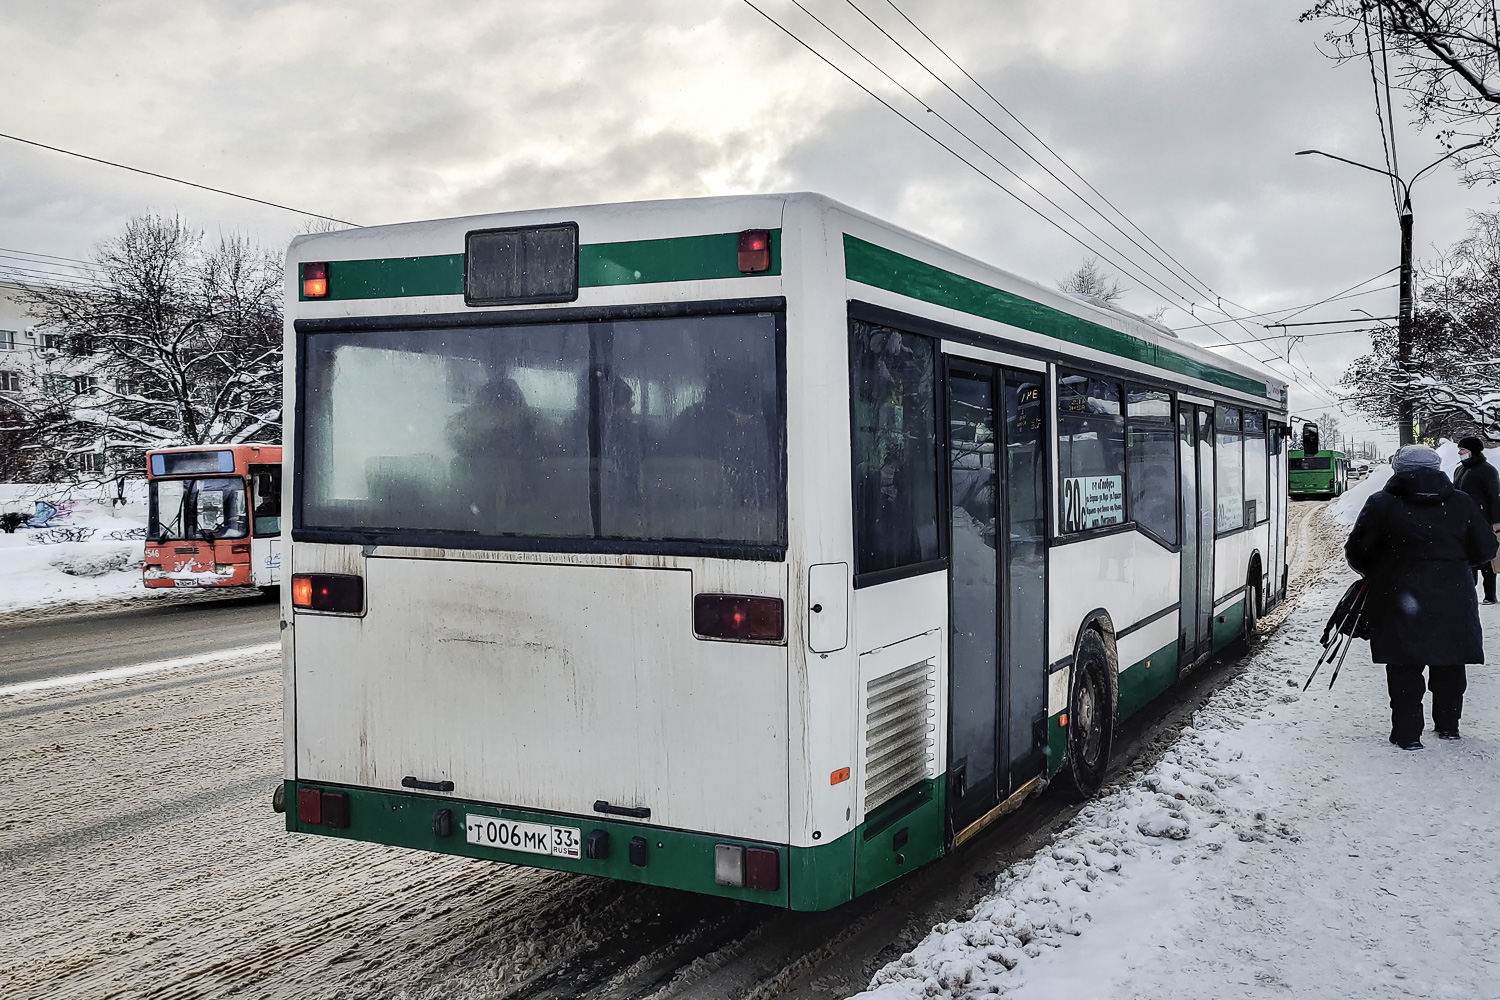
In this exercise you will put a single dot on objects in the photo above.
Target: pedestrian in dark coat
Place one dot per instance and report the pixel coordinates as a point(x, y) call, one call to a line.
point(1417, 542)
point(1478, 478)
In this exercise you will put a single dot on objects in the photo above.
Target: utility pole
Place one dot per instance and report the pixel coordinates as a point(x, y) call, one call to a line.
point(1405, 411)
point(1404, 330)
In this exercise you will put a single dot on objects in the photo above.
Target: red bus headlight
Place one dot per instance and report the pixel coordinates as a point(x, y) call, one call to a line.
point(737, 618)
point(334, 592)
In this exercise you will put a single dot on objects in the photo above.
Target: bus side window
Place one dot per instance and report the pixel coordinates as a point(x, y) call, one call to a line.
point(1090, 452)
point(1151, 462)
point(894, 392)
point(266, 480)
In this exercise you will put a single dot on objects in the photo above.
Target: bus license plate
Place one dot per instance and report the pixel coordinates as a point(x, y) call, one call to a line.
point(530, 838)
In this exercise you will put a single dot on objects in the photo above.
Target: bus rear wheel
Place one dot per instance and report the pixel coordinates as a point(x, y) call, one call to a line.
point(1091, 716)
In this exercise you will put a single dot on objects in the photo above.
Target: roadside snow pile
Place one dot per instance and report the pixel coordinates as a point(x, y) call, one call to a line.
point(1346, 508)
point(1198, 802)
point(94, 559)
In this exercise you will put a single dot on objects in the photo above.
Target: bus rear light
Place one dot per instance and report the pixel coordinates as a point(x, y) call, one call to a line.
point(737, 618)
point(762, 869)
point(729, 865)
point(310, 805)
point(316, 807)
point(315, 281)
point(755, 251)
point(1062, 720)
point(334, 592)
point(239, 550)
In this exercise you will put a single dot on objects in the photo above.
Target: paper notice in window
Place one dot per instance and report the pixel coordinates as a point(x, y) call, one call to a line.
point(1092, 502)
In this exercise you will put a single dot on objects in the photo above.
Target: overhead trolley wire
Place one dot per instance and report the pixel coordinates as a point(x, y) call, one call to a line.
point(1022, 149)
point(1043, 143)
point(955, 153)
point(174, 180)
point(1150, 280)
point(1191, 278)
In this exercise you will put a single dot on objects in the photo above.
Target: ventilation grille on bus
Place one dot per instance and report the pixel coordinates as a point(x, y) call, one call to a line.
point(900, 732)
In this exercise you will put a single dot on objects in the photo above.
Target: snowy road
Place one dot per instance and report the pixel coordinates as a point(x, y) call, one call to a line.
point(142, 632)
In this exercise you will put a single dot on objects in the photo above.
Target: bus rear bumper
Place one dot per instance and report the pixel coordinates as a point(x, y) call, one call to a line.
point(633, 852)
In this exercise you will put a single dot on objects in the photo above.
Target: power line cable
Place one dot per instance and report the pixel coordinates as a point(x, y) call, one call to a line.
point(1040, 141)
point(1204, 285)
point(1141, 274)
point(955, 153)
point(174, 180)
point(1385, 147)
point(1023, 150)
point(962, 159)
point(1295, 310)
point(36, 253)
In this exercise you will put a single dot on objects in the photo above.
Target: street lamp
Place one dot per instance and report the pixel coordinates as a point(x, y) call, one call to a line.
point(1404, 329)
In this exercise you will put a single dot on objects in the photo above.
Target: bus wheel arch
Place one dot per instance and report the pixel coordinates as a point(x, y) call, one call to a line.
point(1093, 706)
point(1254, 598)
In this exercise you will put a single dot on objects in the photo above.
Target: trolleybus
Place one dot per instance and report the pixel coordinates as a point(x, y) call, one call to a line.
point(215, 516)
point(1322, 474)
point(750, 546)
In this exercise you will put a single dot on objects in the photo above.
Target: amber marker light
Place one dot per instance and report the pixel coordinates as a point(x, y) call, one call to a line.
point(315, 281)
point(839, 777)
point(301, 591)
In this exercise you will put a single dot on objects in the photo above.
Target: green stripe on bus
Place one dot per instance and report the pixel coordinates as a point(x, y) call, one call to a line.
point(634, 262)
point(681, 258)
point(1141, 682)
point(396, 277)
point(874, 265)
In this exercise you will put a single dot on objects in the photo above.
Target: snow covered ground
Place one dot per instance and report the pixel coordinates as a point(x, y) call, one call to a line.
point(106, 567)
point(1281, 848)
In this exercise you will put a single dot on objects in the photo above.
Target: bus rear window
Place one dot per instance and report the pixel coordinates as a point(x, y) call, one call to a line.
point(652, 431)
point(1310, 464)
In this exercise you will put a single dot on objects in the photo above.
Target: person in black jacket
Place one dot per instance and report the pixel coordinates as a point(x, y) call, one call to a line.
point(1416, 542)
point(1478, 478)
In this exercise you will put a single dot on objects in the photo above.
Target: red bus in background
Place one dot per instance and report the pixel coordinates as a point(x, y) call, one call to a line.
point(215, 516)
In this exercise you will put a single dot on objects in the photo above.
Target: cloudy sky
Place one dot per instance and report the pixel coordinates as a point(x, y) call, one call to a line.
point(1185, 113)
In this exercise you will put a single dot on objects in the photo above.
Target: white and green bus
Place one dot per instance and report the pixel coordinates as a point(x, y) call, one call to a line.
point(749, 546)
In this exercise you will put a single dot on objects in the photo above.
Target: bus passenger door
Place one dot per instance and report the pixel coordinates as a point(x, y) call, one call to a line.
point(997, 664)
point(265, 521)
point(1195, 441)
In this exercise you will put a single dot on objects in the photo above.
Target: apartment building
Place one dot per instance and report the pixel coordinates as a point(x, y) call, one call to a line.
point(60, 368)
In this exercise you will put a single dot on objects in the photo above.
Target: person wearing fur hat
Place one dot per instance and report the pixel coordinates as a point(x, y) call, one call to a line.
point(1478, 478)
point(1416, 542)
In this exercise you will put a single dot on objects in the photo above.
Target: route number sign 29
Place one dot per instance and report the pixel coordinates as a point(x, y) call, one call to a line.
point(1092, 502)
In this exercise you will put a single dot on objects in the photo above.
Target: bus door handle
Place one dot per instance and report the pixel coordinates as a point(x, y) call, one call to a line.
point(636, 812)
point(430, 786)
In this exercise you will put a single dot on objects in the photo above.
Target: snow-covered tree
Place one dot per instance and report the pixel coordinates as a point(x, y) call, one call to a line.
point(180, 340)
point(1443, 54)
point(1453, 378)
point(1091, 281)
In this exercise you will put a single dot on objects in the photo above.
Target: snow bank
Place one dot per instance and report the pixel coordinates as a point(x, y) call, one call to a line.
point(1280, 847)
point(1196, 803)
point(42, 566)
point(1346, 508)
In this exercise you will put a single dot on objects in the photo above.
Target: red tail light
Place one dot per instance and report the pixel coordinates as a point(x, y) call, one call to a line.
point(328, 592)
point(755, 251)
point(315, 281)
point(737, 618)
